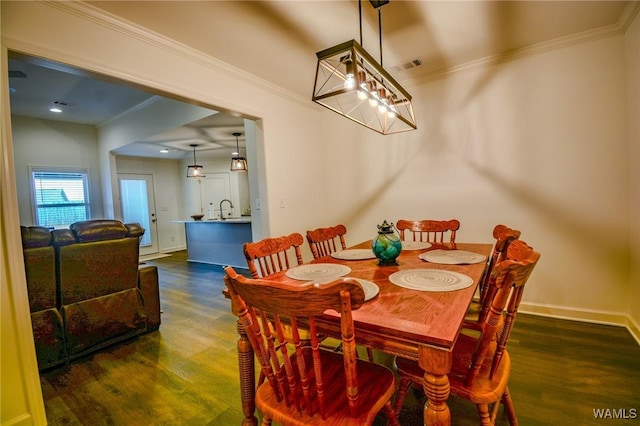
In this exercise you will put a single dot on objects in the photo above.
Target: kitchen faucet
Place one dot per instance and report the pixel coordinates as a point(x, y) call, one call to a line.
point(230, 206)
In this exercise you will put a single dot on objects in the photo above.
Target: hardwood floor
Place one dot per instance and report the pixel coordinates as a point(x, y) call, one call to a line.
point(186, 373)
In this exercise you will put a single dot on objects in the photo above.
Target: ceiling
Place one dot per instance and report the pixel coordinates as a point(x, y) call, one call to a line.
point(37, 85)
point(277, 41)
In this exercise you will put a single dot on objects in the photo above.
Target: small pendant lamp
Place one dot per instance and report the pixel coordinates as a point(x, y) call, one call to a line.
point(238, 163)
point(195, 170)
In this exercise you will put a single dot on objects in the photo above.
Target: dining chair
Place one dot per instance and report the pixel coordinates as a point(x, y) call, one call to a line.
point(324, 241)
point(271, 255)
point(478, 309)
point(307, 385)
point(503, 236)
point(481, 365)
point(432, 231)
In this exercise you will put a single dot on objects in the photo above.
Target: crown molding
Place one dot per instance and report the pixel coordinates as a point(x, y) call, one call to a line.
point(106, 19)
point(620, 27)
point(628, 15)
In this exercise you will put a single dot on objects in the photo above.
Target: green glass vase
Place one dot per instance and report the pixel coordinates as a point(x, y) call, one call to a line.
point(387, 245)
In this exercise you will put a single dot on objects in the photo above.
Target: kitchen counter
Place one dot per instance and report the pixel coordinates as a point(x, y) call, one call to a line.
point(218, 242)
point(246, 219)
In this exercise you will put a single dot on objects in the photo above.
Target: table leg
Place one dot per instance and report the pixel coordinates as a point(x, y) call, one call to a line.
point(436, 364)
point(247, 378)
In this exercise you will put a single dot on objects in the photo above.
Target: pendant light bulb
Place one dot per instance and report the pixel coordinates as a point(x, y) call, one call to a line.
point(350, 75)
point(350, 82)
point(362, 86)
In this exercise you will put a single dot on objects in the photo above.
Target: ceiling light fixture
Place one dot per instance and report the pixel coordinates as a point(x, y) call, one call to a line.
point(238, 164)
point(195, 170)
point(350, 82)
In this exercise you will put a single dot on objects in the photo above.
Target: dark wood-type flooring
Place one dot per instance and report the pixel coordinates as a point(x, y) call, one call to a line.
point(186, 373)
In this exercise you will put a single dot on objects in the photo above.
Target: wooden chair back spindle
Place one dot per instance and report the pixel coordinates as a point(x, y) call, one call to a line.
point(324, 241)
point(431, 231)
point(271, 255)
point(503, 236)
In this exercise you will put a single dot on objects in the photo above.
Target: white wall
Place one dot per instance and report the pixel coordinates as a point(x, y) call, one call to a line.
point(538, 144)
point(632, 40)
point(168, 176)
point(53, 143)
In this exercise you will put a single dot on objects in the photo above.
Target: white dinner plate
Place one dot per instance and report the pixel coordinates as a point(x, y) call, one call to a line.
point(415, 245)
point(452, 257)
point(353, 254)
point(430, 280)
point(371, 289)
point(318, 272)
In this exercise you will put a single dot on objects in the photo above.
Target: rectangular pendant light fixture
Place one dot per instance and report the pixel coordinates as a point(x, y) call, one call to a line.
point(350, 82)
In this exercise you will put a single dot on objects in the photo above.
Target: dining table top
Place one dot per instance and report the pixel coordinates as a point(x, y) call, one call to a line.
point(400, 319)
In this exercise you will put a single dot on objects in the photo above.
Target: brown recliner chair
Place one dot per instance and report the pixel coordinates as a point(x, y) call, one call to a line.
point(103, 296)
point(86, 290)
point(40, 269)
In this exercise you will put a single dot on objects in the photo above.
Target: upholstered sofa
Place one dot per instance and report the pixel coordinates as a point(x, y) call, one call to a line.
point(86, 289)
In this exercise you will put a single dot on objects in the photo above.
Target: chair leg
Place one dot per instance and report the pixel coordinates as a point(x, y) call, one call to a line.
point(392, 416)
point(494, 411)
point(370, 354)
point(483, 413)
point(509, 408)
point(403, 388)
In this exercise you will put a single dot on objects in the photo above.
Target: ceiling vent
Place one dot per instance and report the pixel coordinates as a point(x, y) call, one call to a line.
point(64, 104)
point(407, 65)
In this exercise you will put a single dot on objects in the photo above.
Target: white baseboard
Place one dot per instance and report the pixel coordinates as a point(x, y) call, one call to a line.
point(172, 249)
point(634, 329)
point(584, 315)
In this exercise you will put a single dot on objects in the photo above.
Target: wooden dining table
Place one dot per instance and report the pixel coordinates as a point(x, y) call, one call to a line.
point(415, 324)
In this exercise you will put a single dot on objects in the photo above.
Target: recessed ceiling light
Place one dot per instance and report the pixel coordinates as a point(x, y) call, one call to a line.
point(56, 110)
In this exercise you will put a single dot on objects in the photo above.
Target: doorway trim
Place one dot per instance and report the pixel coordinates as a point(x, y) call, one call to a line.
point(16, 317)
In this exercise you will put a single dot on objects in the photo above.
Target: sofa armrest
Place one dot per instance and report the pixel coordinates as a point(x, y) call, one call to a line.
point(148, 285)
point(134, 230)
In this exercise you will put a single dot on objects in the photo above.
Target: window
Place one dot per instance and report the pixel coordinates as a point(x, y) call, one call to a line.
point(60, 197)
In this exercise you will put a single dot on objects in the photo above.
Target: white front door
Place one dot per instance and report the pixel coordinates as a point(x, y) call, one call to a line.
point(138, 205)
